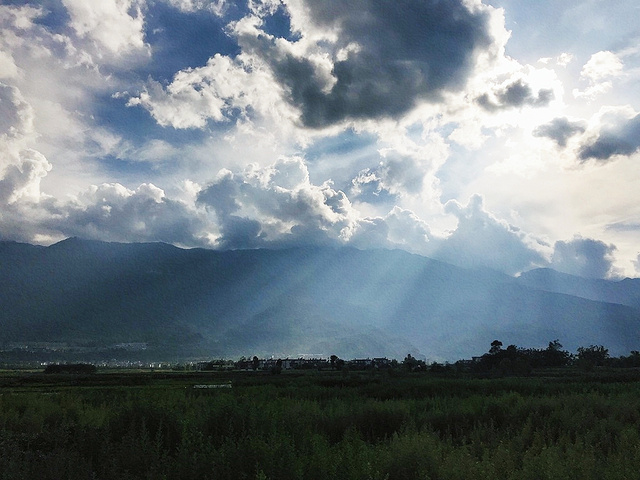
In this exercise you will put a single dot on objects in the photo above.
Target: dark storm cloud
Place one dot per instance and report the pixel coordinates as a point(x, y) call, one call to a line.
point(407, 50)
point(621, 140)
point(559, 130)
point(584, 257)
point(516, 94)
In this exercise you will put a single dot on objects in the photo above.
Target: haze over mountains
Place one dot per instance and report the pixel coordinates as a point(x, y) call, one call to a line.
point(343, 301)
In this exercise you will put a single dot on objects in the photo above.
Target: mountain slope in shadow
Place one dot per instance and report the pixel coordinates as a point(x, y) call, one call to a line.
point(341, 301)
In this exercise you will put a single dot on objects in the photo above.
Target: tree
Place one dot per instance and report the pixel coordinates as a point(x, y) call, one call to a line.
point(333, 359)
point(496, 347)
point(554, 356)
point(633, 360)
point(412, 364)
point(277, 369)
point(592, 356)
point(255, 363)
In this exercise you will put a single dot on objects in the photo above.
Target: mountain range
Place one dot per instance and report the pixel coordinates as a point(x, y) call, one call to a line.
point(186, 303)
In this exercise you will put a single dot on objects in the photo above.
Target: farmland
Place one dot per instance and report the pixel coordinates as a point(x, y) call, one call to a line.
point(319, 425)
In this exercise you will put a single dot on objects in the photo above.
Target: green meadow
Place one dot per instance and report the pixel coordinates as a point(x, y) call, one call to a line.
point(319, 425)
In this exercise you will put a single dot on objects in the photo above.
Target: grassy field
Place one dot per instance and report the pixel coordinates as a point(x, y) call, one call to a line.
point(318, 425)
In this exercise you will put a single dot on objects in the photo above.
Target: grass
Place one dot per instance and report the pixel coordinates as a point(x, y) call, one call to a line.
point(318, 425)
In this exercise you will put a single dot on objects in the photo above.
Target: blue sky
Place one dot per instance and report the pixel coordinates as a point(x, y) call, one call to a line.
point(498, 134)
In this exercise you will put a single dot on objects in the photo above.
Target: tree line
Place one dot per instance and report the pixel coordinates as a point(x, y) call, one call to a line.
point(511, 360)
point(520, 360)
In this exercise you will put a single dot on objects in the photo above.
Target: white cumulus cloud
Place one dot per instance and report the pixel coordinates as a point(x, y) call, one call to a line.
point(114, 25)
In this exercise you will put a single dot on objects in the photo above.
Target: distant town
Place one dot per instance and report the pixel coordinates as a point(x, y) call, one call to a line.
point(512, 360)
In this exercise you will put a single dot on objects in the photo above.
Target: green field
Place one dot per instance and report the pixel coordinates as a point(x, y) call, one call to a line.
point(319, 425)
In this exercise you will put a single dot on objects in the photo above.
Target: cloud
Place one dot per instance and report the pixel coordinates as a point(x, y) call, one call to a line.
point(399, 173)
point(584, 257)
point(114, 25)
point(602, 65)
point(407, 230)
point(277, 205)
point(21, 168)
point(105, 212)
point(217, 7)
point(16, 116)
point(108, 212)
point(8, 68)
point(400, 228)
point(564, 59)
point(620, 138)
point(382, 60)
point(560, 130)
point(515, 94)
point(112, 212)
point(21, 181)
point(624, 226)
point(377, 96)
point(364, 60)
point(598, 72)
point(221, 89)
point(482, 240)
point(60, 91)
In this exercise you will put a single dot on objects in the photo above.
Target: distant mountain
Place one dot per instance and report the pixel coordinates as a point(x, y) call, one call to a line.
point(352, 303)
point(624, 292)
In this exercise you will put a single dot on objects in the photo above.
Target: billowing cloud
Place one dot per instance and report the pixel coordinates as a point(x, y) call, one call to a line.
point(560, 130)
point(16, 121)
point(382, 60)
point(381, 112)
point(620, 138)
point(216, 91)
point(602, 65)
point(277, 205)
point(346, 73)
point(399, 173)
point(114, 25)
point(598, 72)
point(106, 212)
point(407, 230)
point(22, 180)
point(584, 257)
point(57, 90)
point(21, 168)
point(482, 240)
point(515, 94)
point(113, 212)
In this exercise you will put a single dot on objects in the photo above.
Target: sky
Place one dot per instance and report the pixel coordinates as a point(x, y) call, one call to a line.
point(498, 134)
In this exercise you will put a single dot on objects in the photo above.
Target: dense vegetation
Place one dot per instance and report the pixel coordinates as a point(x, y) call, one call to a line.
point(320, 425)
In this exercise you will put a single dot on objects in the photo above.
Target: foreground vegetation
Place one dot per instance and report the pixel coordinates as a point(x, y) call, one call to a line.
point(319, 425)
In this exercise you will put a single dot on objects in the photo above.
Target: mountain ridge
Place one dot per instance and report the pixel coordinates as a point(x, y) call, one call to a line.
point(329, 300)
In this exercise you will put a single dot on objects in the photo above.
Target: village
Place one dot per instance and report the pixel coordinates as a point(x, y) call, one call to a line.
point(277, 365)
